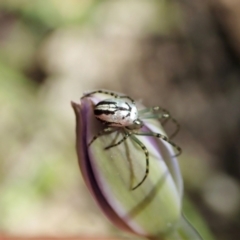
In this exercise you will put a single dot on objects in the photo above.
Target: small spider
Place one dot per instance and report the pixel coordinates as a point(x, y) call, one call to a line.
point(121, 112)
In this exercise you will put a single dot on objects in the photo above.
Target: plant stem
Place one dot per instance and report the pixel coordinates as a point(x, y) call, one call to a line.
point(184, 231)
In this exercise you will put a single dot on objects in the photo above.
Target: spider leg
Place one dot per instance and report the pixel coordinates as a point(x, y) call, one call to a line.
point(119, 142)
point(164, 114)
point(147, 159)
point(161, 136)
point(100, 133)
point(115, 138)
point(115, 95)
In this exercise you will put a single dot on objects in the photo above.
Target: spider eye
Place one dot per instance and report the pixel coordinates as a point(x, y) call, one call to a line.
point(138, 123)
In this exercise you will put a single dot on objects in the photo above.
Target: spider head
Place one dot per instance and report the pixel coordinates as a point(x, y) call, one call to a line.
point(137, 124)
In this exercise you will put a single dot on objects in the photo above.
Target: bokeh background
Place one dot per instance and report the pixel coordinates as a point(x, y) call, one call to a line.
point(180, 54)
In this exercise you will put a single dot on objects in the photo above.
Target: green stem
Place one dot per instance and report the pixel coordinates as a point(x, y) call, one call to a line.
point(185, 231)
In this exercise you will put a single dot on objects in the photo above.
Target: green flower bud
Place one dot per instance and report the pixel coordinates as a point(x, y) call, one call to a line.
point(154, 209)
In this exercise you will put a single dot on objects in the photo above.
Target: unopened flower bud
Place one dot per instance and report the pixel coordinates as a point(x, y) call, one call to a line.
point(153, 209)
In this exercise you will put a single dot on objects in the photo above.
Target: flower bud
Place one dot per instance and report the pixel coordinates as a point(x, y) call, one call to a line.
point(154, 208)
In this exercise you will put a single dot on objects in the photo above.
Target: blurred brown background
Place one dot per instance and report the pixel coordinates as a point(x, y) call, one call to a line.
point(183, 55)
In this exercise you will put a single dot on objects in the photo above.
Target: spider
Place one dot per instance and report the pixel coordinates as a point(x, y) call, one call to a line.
point(120, 111)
